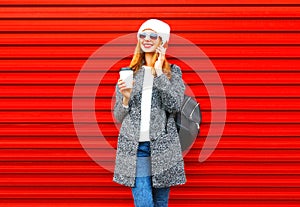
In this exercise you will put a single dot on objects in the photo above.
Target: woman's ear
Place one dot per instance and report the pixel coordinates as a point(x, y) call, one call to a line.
point(165, 45)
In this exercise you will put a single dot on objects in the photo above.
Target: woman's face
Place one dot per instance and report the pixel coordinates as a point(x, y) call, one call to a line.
point(149, 40)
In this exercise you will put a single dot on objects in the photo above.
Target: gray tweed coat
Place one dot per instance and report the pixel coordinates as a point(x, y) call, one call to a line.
point(167, 165)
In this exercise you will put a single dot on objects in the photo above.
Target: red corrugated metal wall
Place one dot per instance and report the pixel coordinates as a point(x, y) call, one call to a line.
point(254, 46)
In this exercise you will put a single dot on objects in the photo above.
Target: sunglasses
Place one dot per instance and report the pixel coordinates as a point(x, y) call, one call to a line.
point(153, 36)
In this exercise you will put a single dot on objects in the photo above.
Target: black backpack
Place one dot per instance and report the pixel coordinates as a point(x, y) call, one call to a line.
point(188, 122)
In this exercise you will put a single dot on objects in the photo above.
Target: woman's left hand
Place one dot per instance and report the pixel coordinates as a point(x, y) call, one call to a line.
point(161, 57)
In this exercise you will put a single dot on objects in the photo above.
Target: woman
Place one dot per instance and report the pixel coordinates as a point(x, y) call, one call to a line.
point(149, 158)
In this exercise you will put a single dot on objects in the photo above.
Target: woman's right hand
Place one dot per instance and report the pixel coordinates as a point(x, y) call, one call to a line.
point(124, 91)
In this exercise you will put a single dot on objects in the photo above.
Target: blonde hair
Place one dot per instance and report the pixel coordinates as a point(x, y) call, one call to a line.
point(139, 57)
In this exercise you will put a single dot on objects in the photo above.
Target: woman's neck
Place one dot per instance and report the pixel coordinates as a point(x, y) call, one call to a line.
point(148, 58)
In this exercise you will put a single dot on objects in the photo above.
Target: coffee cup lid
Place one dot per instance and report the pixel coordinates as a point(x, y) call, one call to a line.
point(122, 69)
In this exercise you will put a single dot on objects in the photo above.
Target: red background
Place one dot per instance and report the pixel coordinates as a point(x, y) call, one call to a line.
point(254, 45)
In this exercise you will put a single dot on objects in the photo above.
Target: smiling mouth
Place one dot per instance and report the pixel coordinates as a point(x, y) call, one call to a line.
point(147, 45)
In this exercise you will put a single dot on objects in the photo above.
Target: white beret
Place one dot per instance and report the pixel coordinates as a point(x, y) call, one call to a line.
point(162, 29)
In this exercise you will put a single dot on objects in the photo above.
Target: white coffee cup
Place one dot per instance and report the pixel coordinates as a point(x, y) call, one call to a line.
point(126, 74)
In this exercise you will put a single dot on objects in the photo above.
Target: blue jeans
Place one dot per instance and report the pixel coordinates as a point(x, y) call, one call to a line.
point(144, 194)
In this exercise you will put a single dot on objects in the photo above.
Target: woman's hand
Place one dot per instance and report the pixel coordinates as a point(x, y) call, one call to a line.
point(124, 91)
point(161, 58)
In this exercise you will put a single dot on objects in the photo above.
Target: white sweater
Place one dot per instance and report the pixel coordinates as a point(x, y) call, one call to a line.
point(146, 104)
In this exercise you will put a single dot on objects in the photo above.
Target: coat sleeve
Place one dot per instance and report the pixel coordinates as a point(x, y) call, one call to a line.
point(172, 91)
point(119, 110)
